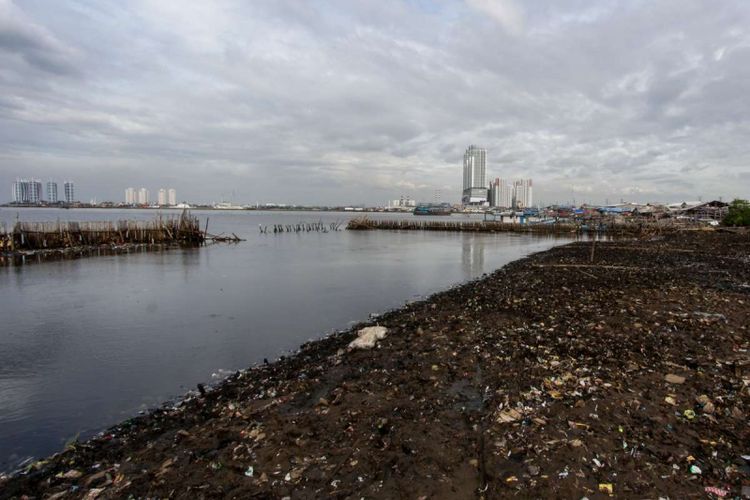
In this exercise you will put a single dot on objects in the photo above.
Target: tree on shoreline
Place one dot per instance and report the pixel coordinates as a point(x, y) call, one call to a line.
point(739, 213)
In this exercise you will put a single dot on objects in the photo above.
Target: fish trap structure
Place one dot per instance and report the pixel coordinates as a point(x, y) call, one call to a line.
point(365, 223)
point(36, 236)
point(301, 227)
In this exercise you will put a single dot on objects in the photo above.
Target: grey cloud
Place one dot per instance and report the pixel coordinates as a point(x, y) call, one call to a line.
point(33, 43)
point(335, 101)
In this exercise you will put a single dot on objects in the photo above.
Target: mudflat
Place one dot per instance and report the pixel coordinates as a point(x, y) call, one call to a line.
point(619, 367)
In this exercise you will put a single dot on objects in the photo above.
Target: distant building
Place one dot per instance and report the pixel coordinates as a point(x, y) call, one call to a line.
point(36, 191)
point(172, 196)
point(501, 194)
point(475, 183)
point(51, 192)
point(69, 188)
point(131, 197)
point(522, 190)
point(519, 194)
point(403, 202)
point(143, 196)
point(161, 198)
point(27, 191)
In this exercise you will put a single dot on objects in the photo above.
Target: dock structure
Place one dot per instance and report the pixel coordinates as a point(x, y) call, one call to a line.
point(487, 226)
point(34, 236)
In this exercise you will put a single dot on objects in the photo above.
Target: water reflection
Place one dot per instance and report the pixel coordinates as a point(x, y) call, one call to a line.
point(472, 255)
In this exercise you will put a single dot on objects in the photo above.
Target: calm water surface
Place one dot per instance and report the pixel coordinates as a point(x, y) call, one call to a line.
point(87, 343)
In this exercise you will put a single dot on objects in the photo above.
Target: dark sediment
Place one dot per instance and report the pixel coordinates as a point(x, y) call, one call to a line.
point(553, 377)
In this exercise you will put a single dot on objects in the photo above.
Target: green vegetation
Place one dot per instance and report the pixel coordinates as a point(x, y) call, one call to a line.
point(739, 213)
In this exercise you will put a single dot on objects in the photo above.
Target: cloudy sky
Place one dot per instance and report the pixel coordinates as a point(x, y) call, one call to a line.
point(348, 101)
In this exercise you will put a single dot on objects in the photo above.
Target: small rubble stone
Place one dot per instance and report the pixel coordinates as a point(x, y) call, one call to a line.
point(674, 379)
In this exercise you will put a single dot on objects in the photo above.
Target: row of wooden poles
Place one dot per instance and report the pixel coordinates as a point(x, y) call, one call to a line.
point(301, 227)
point(184, 230)
point(365, 223)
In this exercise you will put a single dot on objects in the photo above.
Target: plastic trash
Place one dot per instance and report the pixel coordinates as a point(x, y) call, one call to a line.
point(368, 337)
point(721, 493)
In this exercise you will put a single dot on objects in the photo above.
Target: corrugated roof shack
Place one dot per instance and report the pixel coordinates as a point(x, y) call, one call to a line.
point(700, 212)
point(650, 212)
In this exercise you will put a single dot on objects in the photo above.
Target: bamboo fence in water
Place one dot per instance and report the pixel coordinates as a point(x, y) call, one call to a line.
point(492, 227)
point(183, 230)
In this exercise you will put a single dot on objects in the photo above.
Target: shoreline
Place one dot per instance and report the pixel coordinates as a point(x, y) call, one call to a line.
point(438, 408)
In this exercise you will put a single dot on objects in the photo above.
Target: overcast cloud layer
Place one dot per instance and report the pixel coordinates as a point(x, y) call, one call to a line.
point(345, 101)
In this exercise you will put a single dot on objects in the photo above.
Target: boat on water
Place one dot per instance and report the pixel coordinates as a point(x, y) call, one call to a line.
point(227, 206)
point(433, 209)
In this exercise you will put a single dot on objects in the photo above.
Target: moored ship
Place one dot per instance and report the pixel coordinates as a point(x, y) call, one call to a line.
point(433, 209)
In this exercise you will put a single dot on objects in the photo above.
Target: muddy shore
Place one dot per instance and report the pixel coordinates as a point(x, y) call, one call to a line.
point(622, 366)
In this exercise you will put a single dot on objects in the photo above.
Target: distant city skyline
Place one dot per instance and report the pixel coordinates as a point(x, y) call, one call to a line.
point(142, 196)
point(498, 193)
point(30, 191)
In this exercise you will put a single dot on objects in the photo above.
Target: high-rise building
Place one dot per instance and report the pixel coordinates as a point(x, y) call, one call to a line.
point(20, 192)
point(69, 188)
point(51, 191)
point(475, 184)
point(172, 196)
point(522, 190)
point(28, 191)
point(36, 191)
point(162, 197)
point(143, 196)
point(131, 197)
point(501, 194)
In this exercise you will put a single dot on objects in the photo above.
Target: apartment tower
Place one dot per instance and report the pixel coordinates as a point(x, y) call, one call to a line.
point(475, 183)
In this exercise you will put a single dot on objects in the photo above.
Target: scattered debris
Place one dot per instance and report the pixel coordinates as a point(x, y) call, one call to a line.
point(606, 488)
point(509, 415)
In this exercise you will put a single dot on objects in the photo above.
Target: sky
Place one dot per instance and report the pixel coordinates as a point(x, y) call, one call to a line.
point(337, 102)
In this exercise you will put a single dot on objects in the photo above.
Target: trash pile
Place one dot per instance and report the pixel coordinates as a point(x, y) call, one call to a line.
point(622, 371)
